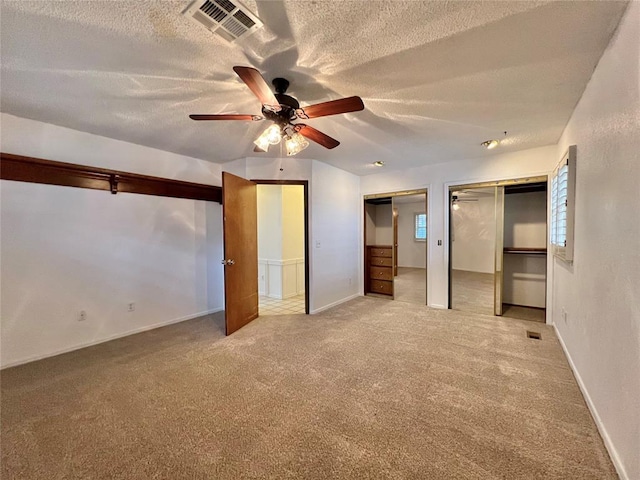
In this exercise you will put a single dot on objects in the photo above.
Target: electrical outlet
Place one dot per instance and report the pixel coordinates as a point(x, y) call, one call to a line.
point(131, 307)
point(83, 316)
point(317, 244)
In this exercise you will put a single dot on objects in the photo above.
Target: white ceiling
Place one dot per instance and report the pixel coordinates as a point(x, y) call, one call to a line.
point(437, 77)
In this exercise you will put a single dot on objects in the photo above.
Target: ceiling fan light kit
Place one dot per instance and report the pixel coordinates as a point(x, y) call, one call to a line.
point(283, 110)
point(379, 163)
point(490, 144)
point(295, 144)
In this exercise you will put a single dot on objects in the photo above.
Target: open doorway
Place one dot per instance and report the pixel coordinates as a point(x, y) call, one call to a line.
point(282, 247)
point(395, 246)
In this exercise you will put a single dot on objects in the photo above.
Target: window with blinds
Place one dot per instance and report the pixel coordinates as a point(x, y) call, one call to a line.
point(562, 206)
point(420, 230)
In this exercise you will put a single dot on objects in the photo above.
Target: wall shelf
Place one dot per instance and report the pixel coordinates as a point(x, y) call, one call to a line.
point(525, 251)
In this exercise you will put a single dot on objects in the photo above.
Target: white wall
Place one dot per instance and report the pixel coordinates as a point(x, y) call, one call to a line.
point(336, 235)
point(437, 178)
point(525, 225)
point(410, 253)
point(600, 292)
point(68, 249)
point(335, 223)
point(474, 235)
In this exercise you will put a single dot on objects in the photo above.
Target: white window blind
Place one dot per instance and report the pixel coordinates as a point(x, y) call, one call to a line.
point(562, 206)
point(420, 227)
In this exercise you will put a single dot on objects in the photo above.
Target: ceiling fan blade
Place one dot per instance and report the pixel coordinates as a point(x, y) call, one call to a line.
point(317, 136)
point(334, 107)
point(226, 116)
point(257, 85)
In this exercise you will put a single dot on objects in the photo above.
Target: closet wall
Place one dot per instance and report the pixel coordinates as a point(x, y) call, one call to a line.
point(525, 226)
point(410, 252)
point(379, 221)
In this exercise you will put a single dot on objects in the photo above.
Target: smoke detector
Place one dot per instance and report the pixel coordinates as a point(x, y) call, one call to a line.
point(229, 19)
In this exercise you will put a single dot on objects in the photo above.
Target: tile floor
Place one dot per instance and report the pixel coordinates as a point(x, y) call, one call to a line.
point(275, 306)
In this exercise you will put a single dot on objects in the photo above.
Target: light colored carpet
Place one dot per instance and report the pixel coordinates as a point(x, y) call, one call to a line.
point(524, 313)
point(472, 291)
point(371, 389)
point(410, 285)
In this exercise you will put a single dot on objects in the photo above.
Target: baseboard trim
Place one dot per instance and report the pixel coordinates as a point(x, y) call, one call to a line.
point(437, 306)
point(335, 304)
point(78, 346)
point(613, 453)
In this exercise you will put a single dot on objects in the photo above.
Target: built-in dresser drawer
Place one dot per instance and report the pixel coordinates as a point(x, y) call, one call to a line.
point(381, 273)
point(381, 252)
point(381, 261)
point(381, 286)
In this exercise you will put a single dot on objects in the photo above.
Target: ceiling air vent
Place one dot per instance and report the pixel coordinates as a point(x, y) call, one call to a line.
point(229, 19)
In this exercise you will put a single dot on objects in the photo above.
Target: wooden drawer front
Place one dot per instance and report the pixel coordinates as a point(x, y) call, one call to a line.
point(381, 273)
point(381, 252)
point(381, 261)
point(382, 286)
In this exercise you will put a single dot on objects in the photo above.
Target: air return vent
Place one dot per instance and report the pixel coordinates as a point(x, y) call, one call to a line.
point(229, 19)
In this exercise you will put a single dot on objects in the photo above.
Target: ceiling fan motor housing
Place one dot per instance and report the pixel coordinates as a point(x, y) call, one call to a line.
point(288, 103)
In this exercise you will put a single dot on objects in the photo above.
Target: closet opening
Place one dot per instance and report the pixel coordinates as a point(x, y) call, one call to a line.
point(498, 247)
point(395, 246)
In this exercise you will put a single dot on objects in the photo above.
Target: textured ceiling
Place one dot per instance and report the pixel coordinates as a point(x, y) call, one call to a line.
point(437, 77)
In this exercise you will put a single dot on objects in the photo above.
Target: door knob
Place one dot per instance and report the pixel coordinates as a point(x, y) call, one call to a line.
point(228, 262)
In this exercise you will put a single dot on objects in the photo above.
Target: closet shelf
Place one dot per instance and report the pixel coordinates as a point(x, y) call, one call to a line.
point(525, 251)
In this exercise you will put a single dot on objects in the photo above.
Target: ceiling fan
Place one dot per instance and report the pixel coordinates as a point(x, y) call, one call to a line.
point(456, 201)
point(282, 110)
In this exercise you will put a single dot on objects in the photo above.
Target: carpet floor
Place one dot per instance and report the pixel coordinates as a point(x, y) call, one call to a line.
point(472, 291)
point(371, 389)
point(410, 285)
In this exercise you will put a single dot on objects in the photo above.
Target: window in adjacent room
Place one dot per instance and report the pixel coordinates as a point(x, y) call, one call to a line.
point(420, 231)
point(563, 181)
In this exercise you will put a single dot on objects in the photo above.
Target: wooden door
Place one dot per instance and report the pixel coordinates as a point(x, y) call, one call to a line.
point(395, 242)
point(240, 231)
point(498, 274)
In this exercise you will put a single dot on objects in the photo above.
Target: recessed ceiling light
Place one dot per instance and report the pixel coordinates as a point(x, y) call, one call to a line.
point(379, 163)
point(489, 144)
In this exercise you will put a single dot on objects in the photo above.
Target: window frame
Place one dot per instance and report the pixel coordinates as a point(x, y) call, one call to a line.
point(415, 227)
point(562, 246)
